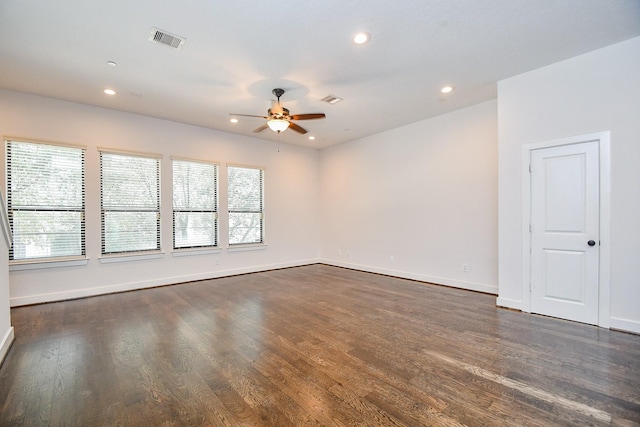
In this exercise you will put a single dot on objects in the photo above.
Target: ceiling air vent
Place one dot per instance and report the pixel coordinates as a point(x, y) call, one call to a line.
point(331, 99)
point(165, 38)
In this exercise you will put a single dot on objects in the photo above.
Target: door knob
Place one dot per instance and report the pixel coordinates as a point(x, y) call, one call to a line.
point(591, 243)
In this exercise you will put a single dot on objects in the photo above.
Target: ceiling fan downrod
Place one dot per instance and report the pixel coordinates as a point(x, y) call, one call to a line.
point(278, 93)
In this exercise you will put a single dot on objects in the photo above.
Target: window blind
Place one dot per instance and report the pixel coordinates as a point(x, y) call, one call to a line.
point(245, 203)
point(195, 202)
point(45, 200)
point(130, 202)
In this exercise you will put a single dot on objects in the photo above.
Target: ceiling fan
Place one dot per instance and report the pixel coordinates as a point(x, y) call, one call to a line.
point(279, 119)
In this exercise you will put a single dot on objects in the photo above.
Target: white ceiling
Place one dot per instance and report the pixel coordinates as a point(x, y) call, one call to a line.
point(236, 52)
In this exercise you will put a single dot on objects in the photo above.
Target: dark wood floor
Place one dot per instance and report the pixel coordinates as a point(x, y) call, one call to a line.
point(314, 345)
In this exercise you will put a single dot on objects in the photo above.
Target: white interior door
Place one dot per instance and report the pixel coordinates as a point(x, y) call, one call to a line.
point(565, 206)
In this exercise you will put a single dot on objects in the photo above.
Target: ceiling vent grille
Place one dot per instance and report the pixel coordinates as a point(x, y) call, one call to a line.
point(331, 99)
point(167, 39)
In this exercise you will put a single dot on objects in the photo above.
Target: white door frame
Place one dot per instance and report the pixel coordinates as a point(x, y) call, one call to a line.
point(604, 285)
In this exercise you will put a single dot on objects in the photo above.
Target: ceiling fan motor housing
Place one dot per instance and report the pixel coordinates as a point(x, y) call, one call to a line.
point(279, 114)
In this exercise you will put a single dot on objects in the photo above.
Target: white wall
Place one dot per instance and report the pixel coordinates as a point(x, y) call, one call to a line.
point(291, 196)
point(425, 194)
point(597, 91)
point(6, 330)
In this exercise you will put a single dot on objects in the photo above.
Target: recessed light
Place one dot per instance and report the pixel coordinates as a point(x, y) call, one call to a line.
point(233, 120)
point(446, 89)
point(311, 138)
point(110, 91)
point(111, 63)
point(361, 38)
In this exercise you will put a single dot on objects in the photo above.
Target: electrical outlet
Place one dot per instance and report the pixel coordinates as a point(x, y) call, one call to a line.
point(465, 268)
point(348, 254)
point(339, 252)
point(217, 261)
point(392, 258)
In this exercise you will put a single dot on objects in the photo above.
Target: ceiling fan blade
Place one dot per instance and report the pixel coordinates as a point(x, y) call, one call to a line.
point(261, 128)
point(296, 128)
point(308, 116)
point(247, 115)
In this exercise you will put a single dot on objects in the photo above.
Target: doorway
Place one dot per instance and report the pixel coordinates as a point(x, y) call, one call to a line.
point(565, 216)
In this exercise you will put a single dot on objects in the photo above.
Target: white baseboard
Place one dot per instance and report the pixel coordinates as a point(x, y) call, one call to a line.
point(509, 303)
point(7, 340)
point(625, 325)
point(131, 286)
point(470, 286)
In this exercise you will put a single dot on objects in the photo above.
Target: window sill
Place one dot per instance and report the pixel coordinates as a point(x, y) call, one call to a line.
point(52, 263)
point(246, 248)
point(108, 259)
point(195, 251)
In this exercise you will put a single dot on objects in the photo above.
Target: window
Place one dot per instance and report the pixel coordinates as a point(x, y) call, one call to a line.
point(246, 188)
point(195, 204)
point(45, 200)
point(130, 202)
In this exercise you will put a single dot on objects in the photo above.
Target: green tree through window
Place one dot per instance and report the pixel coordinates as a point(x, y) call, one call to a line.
point(45, 200)
point(195, 204)
point(130, 200)
point(245, 192)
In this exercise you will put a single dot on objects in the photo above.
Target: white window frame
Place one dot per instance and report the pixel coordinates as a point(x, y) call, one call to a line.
point(133, 253)
point(213, 210)
point(231, 210)
point(53, 260)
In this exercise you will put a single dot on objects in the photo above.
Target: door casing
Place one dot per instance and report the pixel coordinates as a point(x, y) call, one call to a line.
point(604, 286)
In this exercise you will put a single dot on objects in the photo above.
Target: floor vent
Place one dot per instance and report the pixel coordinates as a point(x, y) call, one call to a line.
point(167, 39)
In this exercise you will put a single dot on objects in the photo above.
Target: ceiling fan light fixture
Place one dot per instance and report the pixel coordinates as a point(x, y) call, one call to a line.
point(278, 125)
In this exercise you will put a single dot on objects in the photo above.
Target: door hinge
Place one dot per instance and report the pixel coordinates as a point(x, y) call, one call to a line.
point(529, 228)
point(529, 167)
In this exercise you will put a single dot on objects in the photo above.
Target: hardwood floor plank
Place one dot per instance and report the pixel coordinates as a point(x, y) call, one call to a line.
point(227, 368)
point(310, 346)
